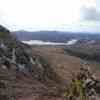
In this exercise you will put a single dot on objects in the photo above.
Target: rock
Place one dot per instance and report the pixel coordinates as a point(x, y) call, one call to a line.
point(87, 88)
point(4, 67)
point(97, 87)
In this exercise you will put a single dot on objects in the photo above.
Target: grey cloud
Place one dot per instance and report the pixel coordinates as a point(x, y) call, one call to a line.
point(90, 14)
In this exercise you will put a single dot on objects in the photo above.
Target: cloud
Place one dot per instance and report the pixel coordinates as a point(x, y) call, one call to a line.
point(90, 14)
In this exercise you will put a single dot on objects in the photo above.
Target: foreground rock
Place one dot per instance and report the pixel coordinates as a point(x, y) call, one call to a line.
point(84, 86)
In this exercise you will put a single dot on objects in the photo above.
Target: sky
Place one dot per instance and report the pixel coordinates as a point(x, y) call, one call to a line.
point(61, 15)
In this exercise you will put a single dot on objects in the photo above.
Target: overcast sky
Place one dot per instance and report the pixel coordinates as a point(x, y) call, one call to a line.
point(64, 15)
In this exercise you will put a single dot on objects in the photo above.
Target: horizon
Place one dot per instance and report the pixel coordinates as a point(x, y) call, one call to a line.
point(73, 32)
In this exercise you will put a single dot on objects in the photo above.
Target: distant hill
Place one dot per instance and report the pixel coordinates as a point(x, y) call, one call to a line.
point(55, 36)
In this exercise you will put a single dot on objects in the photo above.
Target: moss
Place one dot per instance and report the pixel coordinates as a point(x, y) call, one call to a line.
point(12, 44)
point(75, 91)
point(4, 34)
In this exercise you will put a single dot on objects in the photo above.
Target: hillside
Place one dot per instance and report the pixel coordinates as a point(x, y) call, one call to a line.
point(41, 72)
point(23, 73)
point(63, 62)
point(86, 51)
point(67, 65)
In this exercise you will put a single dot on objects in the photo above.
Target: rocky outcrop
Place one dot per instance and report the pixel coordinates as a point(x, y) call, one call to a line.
point(17, 58)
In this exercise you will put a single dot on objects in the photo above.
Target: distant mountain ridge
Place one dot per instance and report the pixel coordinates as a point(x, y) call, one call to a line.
point(55, 36)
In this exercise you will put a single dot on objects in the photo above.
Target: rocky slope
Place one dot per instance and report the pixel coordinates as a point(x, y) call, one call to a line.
point(67, 66)
point(22, 72)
